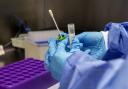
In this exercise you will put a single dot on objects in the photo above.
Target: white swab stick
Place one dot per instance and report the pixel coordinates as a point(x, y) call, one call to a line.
point(51, 14)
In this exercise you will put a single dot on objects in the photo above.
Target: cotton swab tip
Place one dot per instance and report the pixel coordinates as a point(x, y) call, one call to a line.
point(50, 12)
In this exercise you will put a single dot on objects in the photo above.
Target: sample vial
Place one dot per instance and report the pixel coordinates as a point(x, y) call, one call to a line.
point(71, 32)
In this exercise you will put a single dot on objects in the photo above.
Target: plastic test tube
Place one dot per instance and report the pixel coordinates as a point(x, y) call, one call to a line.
point(71, 32)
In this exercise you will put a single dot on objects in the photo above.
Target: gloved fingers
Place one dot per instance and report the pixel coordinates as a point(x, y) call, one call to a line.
point(62, 45)
point(47, 61)
point(62, 36)
point(50, 52)
point(52, 46)
point(81, 36)
point(63, 33)
point(46, 55)
point(87, 51)
point(89, 38)
point(76, 45)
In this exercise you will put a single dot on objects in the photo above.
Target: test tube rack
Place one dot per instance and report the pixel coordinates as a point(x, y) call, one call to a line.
point(25, 74)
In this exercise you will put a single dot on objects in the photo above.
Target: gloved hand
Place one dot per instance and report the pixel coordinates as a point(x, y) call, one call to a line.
point(94, 42)
point(57, 55)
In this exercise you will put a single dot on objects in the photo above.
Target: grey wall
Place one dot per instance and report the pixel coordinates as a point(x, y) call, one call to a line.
point(84, 13)
point(89, 13)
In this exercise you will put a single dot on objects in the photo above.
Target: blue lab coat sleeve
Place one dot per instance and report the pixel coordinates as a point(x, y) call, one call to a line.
point(83, 71)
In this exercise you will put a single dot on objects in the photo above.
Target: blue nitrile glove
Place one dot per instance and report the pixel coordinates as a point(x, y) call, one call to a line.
point(94, 42)
point(57, 55)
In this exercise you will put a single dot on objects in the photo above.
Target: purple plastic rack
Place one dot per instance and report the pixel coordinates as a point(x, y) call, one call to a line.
point(25, 74)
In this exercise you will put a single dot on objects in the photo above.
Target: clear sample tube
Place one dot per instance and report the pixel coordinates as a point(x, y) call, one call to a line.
point(71, 32)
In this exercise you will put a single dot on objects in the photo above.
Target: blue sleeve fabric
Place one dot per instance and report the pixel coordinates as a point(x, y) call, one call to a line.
point(120, 80)
point(118, 36)
point(83, 71)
